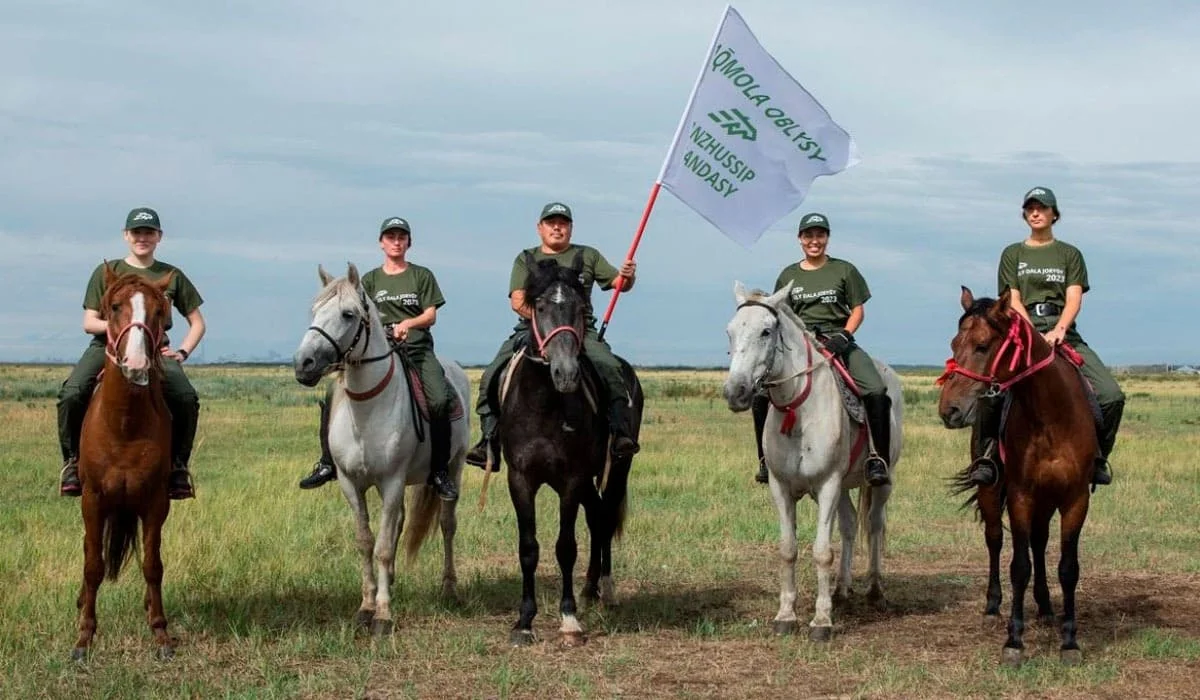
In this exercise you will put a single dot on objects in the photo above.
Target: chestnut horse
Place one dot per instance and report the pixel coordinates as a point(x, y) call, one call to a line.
point(1047, 447)
point(125, 453)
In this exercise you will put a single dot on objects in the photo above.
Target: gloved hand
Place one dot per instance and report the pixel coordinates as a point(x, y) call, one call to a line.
point(839, 342)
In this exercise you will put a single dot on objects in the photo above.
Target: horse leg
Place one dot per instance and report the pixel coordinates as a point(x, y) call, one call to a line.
point(1041, 589)
point(365, 540)
point(611, 507)
point(566, 551)
point(848, 527)
point(524, 497)
point(152, 571)
point(1068, 575)
point(785, 619)
point(93, 572)
point(595, 510)
point(449, 524)
point(821, 626)
point(993, 534)
point(877, 515)
point(391, 523)
point(1019, 518)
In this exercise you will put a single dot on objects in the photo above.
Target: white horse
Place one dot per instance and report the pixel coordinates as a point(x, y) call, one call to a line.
point(769, 346)
point(372, 437)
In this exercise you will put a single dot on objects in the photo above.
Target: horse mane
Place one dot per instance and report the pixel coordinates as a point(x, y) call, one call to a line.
point(760, 296)
point(346, 293)
point(544, 274)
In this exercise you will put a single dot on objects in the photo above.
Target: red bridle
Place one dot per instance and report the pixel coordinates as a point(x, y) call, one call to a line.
point(1019, 341)
point(543, 340)
point(113, 343)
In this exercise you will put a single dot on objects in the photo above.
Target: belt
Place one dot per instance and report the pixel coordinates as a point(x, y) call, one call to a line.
point(1044, 309)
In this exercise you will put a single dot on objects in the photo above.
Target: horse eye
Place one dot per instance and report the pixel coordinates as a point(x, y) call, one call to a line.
point(348, 315)
point(116, 308)
point(765, 333)
point(981, 349)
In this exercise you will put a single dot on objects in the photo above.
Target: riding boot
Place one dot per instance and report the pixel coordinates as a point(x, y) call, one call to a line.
point(478, 454)
point(620, 421)
point(1111, 422)
point(985, 468)
point(879, 422)
point(759, 407)
point(69, 482)
point(179, 487)
point(324, 470)
point(439, 458)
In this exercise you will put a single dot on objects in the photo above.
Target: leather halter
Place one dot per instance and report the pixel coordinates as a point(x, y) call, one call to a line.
point(542, 341)
point(111, 347)
point(1019, 340)
point(788, 409)
point(343, 356)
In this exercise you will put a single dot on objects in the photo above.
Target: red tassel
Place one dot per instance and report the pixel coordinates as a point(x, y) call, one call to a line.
point(789, 421)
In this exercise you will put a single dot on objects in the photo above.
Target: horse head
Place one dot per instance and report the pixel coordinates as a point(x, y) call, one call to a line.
point(342, 321)
point(558, 305)
point(754, 339)
point(136, 310)
point(989, 331)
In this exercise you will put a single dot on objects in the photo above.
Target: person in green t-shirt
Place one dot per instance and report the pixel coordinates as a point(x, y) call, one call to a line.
point(143, 233)
point(1048, 278)
point(828, 294)
point(555, 227)
point(407, 297)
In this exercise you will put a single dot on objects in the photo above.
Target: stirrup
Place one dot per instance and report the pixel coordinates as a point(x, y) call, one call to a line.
point(177, 492)
point(981, 463)
point(322, 473)
point(1101, 473)
point(873, 466)
point(74, 487)
point(762, 477)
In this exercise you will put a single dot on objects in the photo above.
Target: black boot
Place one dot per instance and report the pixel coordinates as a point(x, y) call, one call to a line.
point(879, 422)
point(985, 468)
point(759, 407)
point(478, 454)
point(179, 487)
point(324, 470)
point(1111, 415)
point(69, 484)
point(439, 458)
point(620, 421)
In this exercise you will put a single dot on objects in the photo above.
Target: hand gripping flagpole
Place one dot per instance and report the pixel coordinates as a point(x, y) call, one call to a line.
point(637, 238)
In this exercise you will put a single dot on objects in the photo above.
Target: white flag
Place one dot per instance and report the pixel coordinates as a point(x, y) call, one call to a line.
point(751, 140)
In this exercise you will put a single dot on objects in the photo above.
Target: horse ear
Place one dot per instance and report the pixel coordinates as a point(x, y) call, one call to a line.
point(109, 275)
point(326, 278)
point(967, 298)
point(577, 263)
point(162, 283)
point(739, 292)
point(1004, 301)
point(778, 297)
point(352, 273)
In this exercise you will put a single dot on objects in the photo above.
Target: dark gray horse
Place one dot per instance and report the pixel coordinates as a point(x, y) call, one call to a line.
point(552, 434)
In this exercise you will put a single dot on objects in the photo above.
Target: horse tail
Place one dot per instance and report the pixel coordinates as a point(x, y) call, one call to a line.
point(619, 526)
point(961, 483)
point(865, 498)
point(425, 507)
point(120, 540)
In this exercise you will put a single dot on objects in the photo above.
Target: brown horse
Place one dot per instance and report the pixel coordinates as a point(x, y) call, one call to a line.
point(125, 453)
point(1047, 449)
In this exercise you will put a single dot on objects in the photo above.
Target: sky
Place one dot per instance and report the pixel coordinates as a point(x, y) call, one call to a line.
point(275, 136)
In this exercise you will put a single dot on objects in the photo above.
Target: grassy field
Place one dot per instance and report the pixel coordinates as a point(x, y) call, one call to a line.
point(262, 578)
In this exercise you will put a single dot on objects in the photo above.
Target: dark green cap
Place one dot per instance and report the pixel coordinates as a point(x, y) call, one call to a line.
point(814, 220)
point(394, 222)
point(142, 217)
point(1041, 194)
point(556, 209)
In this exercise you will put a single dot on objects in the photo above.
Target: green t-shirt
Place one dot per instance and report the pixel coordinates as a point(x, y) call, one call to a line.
point(595, 270)
point(405, 295)
point(826, 296)
point(181, 292)
point(1042, 273)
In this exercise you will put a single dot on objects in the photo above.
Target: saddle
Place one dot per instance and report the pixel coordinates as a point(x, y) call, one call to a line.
point(1063, 350)
point(416, 391)
point(592, 386)
point(851, 396)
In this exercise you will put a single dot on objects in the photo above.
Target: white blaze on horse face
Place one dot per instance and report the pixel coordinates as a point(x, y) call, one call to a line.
point(559, 297)
point(135, 340)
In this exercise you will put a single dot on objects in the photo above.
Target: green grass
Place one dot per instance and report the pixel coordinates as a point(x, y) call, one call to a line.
point(262, 578)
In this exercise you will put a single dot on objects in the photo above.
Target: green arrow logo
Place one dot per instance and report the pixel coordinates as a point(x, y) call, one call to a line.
point(734, 123)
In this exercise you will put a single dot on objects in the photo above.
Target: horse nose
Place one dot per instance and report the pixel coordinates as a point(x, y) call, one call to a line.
point(952, 417)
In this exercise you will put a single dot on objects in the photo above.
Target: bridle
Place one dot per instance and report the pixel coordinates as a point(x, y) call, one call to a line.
point(344, 359)
point(789, 408)
point(111, 347)
point(1018, 340)
point(543, 340)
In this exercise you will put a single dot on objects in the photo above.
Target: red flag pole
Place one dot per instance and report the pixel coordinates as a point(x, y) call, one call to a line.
point(637, 238)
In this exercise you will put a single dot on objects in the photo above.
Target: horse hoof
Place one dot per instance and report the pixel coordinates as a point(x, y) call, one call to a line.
point(1071, 657)
point(570, 640)
point(820, 634)
point(381, 628)
point(364, 618)
point(991, 621)
point(1011, 657)
point(79, 654)
point(783, 628)
point(841, 600)
point(520, 638)
point(166, 652)
point(876, 599)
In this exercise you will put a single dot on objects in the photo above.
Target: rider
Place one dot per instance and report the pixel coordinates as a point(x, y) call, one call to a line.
point(1048, 278)
point(143, 233)
point(407, 297)
point(555, 227)
point(828, 294)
